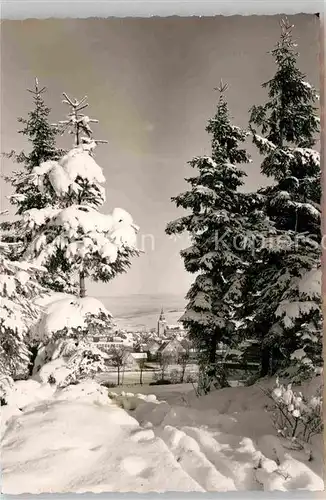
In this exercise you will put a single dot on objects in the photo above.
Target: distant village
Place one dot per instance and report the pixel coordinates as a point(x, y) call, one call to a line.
point(164, 341)
point(163, 346)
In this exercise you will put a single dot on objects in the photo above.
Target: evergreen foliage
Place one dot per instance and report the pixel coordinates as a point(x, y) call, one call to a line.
point(41, 135)
point(18, 288)
point(288, 123)
point(218, 230)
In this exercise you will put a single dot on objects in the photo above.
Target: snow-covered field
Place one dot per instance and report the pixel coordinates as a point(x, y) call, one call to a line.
point(79, 439)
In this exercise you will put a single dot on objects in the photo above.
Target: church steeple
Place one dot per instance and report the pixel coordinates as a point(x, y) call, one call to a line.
point(162, 317)
point(161, 324)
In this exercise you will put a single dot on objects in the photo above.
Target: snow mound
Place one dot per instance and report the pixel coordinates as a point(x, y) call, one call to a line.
point(45, 300)
point(7, 414)
point(130, 401)
point(232, 430)
point(86, 391)
point(290, 475)
point(234, 399)
point(25, 392)
point(21, 395)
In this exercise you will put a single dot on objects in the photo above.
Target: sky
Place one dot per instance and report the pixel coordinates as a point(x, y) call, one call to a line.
point(150, 83)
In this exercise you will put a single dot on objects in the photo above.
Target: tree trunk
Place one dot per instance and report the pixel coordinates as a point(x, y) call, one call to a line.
point(82, 288)
point(265, 361)
point(141, 377)
point(212, 351)
point(118, 375)
point(183, 371)
point(34, 352)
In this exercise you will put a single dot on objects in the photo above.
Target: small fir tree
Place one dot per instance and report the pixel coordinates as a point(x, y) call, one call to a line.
point(217, 228)
point(29, 193)
point(41, 134)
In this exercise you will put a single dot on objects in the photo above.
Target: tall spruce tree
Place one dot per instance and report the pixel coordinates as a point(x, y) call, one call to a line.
point(217, 228)
point(279, 313)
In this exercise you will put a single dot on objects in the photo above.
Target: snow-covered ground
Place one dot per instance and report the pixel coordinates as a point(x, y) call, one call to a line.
point(80, 439)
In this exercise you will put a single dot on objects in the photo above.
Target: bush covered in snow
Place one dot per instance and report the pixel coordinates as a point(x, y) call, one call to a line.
point(68, 361)
point(85, 362)
point(295, 416)
point(64, 332)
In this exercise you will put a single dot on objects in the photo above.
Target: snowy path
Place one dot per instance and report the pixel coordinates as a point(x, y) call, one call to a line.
point(70, 445)
point(79, 440)
point(222, 449)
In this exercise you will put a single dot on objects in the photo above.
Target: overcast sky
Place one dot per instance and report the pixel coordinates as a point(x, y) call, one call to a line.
point(150, 83)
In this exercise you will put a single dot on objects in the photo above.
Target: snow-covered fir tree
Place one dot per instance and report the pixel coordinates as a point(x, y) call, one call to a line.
point(279, 313)
point(74, 235)
point(18, 289)
point(28, 192)
point(41, 134)
point(217, 227)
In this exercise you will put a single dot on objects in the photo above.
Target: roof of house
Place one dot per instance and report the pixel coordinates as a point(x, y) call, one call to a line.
point(163, 345)
point(167, 343)
point(152, 343)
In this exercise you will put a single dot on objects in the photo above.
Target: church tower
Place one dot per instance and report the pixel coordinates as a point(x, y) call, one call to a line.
point(161, 324)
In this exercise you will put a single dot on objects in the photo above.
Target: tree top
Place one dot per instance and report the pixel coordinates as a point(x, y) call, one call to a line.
point(37, 91)
point(223, 87)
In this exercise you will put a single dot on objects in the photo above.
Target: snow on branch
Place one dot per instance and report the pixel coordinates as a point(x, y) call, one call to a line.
point(81, 232)
point(202, 302)
point(307, 155)
point(263, 143)
point(62, 175)
point(291, 310)
point(78, 123)
point(67, 312)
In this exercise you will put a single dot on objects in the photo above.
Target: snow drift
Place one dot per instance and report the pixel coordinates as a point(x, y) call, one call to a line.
point(88, 440)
